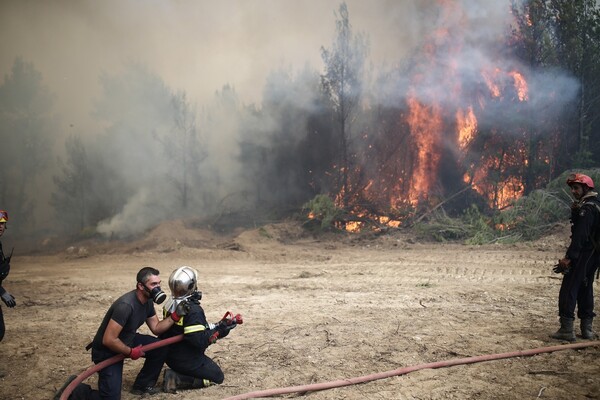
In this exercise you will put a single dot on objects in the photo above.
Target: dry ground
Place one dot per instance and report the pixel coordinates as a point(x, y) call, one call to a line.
point(315, 310)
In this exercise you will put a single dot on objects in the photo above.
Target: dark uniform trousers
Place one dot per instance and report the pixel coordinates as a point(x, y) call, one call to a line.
point(199, 367)
point(577, 288)
point(110, 379)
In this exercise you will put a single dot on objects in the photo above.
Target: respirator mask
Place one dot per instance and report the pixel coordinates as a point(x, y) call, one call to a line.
point(156, 294)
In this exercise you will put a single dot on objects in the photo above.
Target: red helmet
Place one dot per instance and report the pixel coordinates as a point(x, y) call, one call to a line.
point(580, 178)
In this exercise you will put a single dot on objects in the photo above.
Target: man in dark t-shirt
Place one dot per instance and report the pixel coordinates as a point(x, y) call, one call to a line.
point(117, 334)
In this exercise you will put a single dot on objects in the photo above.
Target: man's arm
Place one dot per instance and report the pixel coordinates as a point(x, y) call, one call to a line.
point(159, 327)
point(111, 338)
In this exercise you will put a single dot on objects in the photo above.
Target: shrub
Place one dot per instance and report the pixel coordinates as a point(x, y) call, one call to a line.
point(322, 208)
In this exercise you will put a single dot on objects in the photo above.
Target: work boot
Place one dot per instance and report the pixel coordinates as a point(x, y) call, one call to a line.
point(586, 329)
point(145, 391)
point(170, 381)
point(566, 330)
point(173, 380)
point(60, 391)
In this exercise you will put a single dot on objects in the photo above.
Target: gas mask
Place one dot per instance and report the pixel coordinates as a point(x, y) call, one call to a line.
point(157, 295)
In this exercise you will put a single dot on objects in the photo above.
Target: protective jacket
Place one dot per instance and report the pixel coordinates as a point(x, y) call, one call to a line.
point(577, 290)
point(585, 221)
point(187, 357)
point(4, 268)
point(197, 333)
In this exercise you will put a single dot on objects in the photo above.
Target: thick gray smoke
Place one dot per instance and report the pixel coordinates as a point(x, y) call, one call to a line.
point(220, 54)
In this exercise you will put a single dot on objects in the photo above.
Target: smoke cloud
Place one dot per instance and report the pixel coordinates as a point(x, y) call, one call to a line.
point(221, 54)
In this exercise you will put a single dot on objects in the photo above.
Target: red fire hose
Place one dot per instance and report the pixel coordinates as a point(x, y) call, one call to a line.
point(114, 359)
point(339, 383)
point(405, 370)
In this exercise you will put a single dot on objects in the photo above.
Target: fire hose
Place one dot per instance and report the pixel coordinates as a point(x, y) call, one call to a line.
point(405, 370)
point(110, 361)
point(341, 382)
point(228, 320)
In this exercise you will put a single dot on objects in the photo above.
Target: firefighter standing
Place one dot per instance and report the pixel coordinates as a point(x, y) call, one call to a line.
point(7, 298)
point(580, 262)
point(189, 366)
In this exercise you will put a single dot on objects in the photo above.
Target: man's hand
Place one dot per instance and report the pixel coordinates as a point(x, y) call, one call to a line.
point(136, 352)
point(9, 300)
point(563, 266)
point(182, 309)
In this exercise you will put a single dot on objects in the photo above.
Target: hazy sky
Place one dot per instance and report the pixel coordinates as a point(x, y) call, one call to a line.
point(198, 45)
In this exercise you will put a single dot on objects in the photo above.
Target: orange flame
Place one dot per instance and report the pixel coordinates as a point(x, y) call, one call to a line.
point(426, 126)
point(490, 80)
point(466, 124)
point(520, 85)
point(413, 179)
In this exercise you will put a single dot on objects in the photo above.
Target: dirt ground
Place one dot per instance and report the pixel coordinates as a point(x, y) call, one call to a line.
point(315, 310)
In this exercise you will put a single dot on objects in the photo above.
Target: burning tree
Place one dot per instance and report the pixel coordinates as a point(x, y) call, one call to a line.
point(342, 81)
point(465, 121)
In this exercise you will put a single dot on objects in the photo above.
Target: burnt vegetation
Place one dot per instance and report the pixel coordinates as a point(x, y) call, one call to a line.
point(456, 141)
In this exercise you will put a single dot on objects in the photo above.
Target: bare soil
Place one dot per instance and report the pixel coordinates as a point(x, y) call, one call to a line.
point(315, 309)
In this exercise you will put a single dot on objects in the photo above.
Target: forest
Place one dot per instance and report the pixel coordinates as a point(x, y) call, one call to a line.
point(464, 127)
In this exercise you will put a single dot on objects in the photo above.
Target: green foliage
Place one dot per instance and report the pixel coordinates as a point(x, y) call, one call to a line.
point(88, 232)
point(322, 208)
point(425, 285)
point(263, 232)
point(533, 216)
point(472, 227)
point(529, 218)
point(584, 158)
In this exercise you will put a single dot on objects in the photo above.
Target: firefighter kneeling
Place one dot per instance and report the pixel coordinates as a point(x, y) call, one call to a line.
point(189, 367)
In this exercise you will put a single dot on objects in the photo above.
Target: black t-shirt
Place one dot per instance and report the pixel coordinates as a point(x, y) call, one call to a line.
point(4, 269)
point(128, 312)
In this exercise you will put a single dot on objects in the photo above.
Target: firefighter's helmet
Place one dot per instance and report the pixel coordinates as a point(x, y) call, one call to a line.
point(183, 282)
point(580, 178)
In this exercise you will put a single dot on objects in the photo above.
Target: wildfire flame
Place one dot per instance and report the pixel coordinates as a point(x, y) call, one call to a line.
point(520, 85)
point(426, 127)
point(436, 125)
point(466, 124)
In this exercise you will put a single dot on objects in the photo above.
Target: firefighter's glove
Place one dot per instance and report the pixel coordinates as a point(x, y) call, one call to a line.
point(182, 310)
point(230, 321)
point(563, 266)
point(213, 338)
point(227, 323)
point(136, 352)
point(9, 300)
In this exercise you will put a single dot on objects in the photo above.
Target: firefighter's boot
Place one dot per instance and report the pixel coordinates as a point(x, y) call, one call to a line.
point(586, 329)
point(170, 379)
point(173, 380)
point(60, 391)
point(566, 330)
